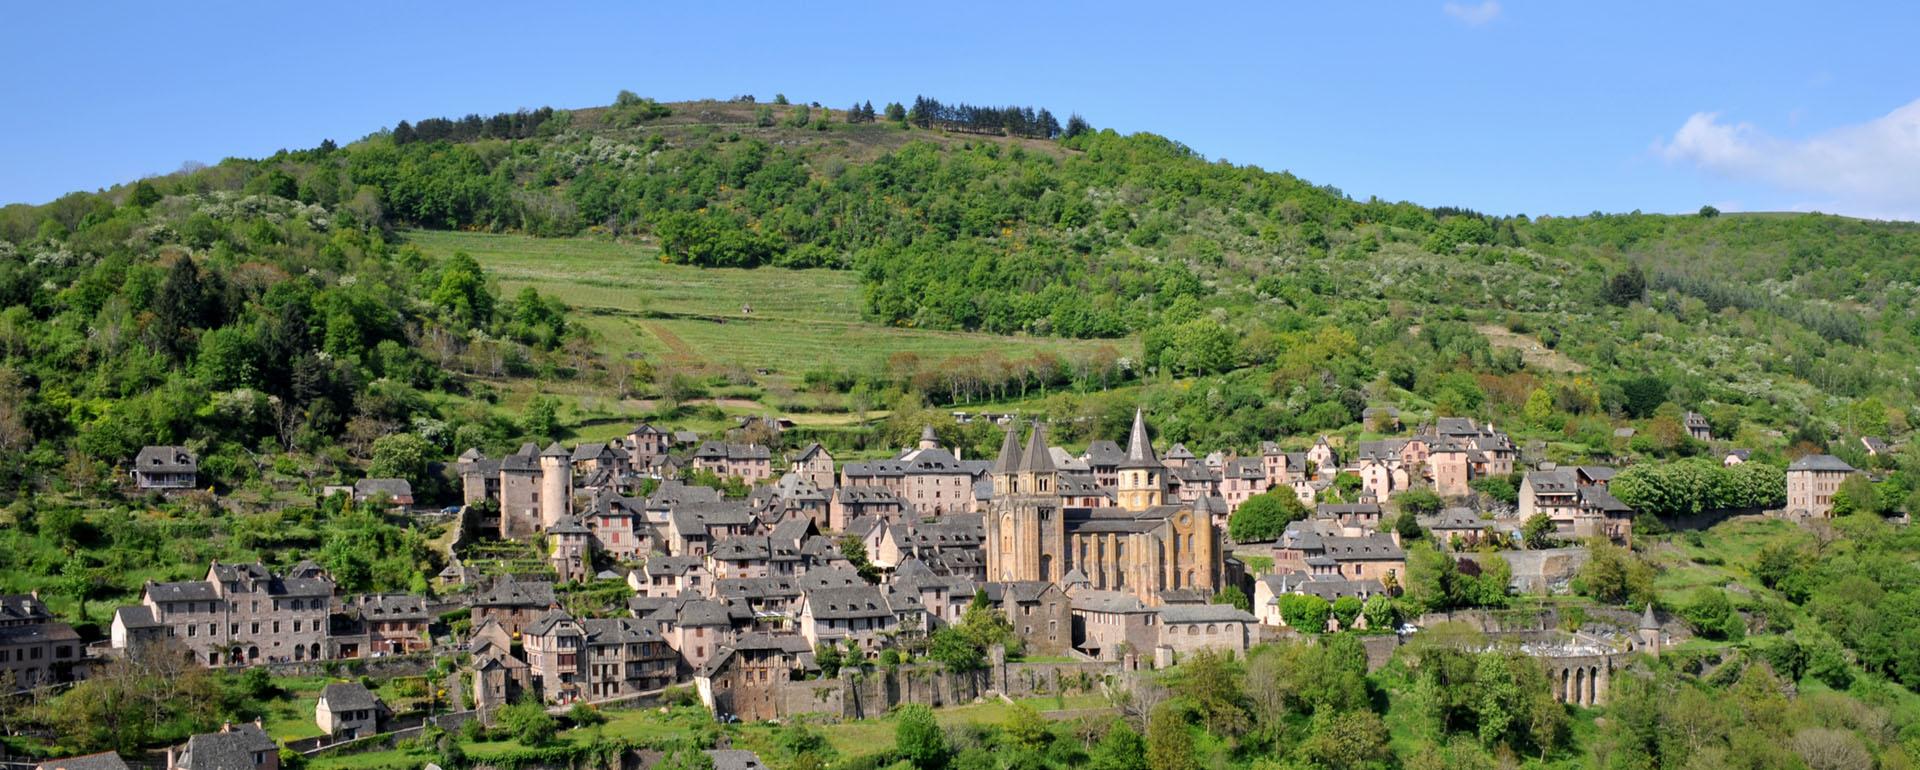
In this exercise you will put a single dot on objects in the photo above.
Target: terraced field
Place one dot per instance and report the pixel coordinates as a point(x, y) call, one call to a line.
point(784, 321)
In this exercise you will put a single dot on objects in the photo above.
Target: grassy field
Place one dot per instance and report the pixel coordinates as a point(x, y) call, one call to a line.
point(850, 739)
point(696, 317)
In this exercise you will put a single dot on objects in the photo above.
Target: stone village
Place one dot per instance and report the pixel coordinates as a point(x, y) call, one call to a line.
point(1103, 562)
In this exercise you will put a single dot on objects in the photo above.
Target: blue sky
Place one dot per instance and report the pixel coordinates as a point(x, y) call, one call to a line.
point(1505, 106)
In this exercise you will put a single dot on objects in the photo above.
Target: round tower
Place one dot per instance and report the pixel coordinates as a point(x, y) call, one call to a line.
point(556, 485)
point(1650, 632)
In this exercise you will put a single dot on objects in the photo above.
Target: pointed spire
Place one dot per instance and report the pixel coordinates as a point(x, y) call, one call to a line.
point(1139, 447)
point(1647, 621)
point(1009, 459)
point(1037, 458)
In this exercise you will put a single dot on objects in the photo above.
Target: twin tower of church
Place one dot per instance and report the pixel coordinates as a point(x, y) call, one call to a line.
point(1140, 545)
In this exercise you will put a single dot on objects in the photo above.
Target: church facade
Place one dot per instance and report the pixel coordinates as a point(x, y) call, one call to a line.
point(1142, 545)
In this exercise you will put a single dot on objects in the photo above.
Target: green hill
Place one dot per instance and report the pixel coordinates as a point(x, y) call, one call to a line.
point(786, 259)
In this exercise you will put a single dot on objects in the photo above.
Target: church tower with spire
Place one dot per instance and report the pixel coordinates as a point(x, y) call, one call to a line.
point(1143, 479)
point(1026, 528)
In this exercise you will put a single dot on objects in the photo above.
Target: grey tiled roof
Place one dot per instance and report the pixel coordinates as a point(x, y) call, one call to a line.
point(348, 696)
point(1821, 463)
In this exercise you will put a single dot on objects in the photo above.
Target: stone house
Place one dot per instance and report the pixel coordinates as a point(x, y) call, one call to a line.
point(1577, 500)
point(239, 614)
point(514, 604)
point(647, 446)
point(1188, 628)
point(1110, 625)
point(572, 659)
point(347, 710)
point(815, 464)
point(1353, 518)
point(36, 650)
point(867, 615)
point(1456, 525)
point(1241, 479)
point(1269, 588)
point(1697, 427)
point(850, 503)
point(499, 678)
point(1041, 614)
point(379, 624)
point(162, 468)
point(665, 575)
point(396, 492)
point(744, 680)
point(235, 747)
point(1811, 482)
point(751, 463)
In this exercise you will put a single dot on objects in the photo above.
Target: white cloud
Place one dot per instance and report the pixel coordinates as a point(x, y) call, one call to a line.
point(1475, 14)
point(1871, 169)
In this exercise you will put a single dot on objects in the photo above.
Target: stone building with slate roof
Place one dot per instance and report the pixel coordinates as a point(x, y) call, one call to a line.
point(36, 649)
point(239, 614)
point(1142, 546)
point(1811, 482)
point(162, 468)
point(348, 710)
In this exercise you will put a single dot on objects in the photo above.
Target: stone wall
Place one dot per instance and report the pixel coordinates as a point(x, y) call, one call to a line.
point(1546, 571)
point(874, 692)
point(413, 664)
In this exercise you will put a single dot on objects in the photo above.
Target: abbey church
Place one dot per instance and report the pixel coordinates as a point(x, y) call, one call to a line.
point(1141, 546)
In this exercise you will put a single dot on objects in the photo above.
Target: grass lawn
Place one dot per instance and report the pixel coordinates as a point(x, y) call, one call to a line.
point(693, 317)
point(1722, 555)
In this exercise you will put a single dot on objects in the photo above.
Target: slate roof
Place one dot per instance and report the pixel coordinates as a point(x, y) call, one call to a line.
point(183, 591)
point(1821, 463)
point(1204, 613)
point(226, 750)
point(1454, 519)
point(836, 576)
point(867, 495)
point(105, 760)
point(717, 450)
point(516, 593)
point(1008, 461)
point(862, 601)
point(389, 606)
point(1348, 509)
point(166, 459)
point(1103, 452)
point(611, 631)
point(348, 696)
point(136, 616)
point(663, 566)
point(393, 488)
point(1374, 547)
point(1108, 602)
point(1035, 458)
point(22, 608)
point(701, 612)
point(550, 622)
point(1139, 446)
